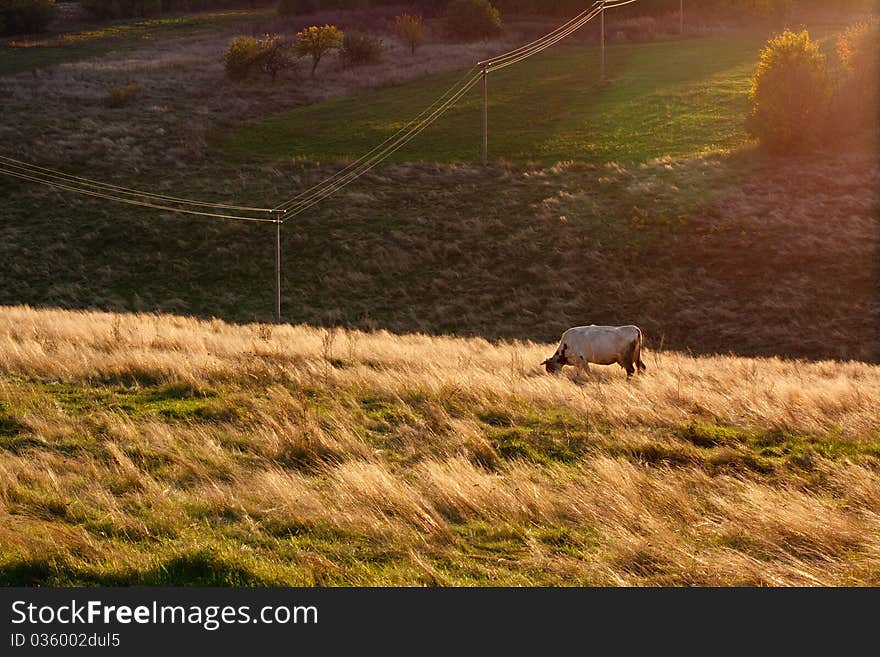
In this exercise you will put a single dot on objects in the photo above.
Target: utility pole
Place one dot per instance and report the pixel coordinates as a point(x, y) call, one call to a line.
point(278, 268)
point(602, 43)
point(485, 115)
point(680, 17)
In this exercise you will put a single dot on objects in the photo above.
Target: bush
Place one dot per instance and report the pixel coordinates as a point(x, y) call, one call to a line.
point(858, 48)
point(269, 55)
point(472, 19)
point(409, 29)
point(789, 94)
point(316, 41)
point(274, 55)
point(857, 101)
point(358, 49)
point(122, 96)
point(25, 16)
point(296, 7)
point(239, 57)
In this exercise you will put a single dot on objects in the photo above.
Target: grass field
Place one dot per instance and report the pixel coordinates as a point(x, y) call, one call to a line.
point(428, 447)
point(142, 449)
point(671, 98)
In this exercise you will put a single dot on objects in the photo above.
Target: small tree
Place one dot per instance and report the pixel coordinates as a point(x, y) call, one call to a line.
point(410, 29)
point(472, 19)
point(270, 54)
point(274, 54)
point(316, 41)
point(790, 92)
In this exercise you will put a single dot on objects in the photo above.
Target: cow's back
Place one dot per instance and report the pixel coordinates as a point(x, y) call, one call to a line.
point(602, 345)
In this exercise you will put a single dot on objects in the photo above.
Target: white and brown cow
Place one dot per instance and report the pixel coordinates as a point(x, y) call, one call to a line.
point(602, 345)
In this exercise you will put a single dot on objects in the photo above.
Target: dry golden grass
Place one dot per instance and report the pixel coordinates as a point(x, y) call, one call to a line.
point(166, 450)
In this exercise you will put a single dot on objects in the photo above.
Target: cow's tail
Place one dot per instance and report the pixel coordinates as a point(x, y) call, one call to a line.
point(637, 352)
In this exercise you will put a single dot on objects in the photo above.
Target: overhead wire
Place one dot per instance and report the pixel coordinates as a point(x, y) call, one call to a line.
point(330, 179)
point(128, 201)
point(315, 194)
point(548, 44)
point(539, 40)
point(498, 63)
point(401, 141)
point(79, 181)
point(328, 186)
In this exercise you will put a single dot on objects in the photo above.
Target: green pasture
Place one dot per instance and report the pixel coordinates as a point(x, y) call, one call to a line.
point(672, 98)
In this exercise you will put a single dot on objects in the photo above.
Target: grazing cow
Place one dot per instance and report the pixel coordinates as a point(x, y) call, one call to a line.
point(602, 345)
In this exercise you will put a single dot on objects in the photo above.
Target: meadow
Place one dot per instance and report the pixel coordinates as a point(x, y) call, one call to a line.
point(669, 98)
point(396, 429)
point(149, 449)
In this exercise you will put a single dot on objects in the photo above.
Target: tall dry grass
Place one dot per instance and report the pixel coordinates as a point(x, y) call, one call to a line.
point(156, 449)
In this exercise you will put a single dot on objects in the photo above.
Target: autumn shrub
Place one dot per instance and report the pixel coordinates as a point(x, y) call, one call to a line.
point(790, 93)
point(857, 101)
point(358, 49)
point(239, 57)
point(269, 55)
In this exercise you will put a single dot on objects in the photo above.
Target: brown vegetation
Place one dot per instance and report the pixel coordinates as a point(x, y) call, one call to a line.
point(151, 449)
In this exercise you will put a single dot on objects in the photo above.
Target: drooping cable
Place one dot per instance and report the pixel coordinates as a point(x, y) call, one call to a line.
point(330, 180)
point(384, 154)
point(128, 201)
point(79, 181)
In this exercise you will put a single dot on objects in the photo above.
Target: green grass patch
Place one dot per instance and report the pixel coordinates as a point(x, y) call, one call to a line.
point(779, 444)
point(168, 402)
point(668, 98)
point(541, 435)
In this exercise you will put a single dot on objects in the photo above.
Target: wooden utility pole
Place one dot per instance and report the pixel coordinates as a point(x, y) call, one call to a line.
point(278, 269)
point(602, 43)
point(485, 116)
point(680, 17)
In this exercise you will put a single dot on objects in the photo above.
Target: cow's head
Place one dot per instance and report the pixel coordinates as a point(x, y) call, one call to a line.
point(556, 361)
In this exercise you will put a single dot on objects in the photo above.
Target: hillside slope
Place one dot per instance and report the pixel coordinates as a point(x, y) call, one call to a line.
point(148, 449)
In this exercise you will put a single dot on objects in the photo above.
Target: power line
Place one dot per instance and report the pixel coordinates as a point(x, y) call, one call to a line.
point(128, 201)
point(538, 41)
point(313, 190)
point(332, 184)
point(571, 30)
point(127, 191)
point(364, 168)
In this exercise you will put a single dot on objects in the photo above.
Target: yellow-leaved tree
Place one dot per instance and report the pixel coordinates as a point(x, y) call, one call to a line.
point(410, 29)
point(316, 41)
